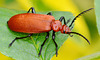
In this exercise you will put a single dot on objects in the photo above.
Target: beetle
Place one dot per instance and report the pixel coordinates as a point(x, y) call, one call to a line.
point(26, 23)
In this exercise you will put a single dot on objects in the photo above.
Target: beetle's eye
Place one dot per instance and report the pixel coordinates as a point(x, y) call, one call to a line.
point(64, 31)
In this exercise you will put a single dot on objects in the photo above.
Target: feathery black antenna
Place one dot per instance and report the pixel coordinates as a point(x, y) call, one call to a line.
point(79, 15)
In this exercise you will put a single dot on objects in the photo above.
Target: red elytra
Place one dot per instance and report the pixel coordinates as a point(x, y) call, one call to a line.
point(39, 23)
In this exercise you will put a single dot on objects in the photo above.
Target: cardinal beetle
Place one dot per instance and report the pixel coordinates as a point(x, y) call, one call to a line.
point(39, 23)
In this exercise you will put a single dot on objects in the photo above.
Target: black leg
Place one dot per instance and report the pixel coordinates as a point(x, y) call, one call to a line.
point(19, 38)
point(62, 18)
point(53, 37)
point(68, 21)
point(71, 28)
point(33, 10)
point(49, 13)
point(43, 43)
point(70, 35)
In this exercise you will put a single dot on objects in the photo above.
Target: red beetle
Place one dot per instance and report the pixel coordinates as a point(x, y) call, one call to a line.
point(39, 23)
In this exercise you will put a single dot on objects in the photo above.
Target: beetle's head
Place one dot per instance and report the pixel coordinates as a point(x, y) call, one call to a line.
point(65, 29)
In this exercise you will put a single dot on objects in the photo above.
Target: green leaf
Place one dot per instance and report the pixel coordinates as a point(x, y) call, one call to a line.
point(97, 12)
point(28, 48)
point(9, 1)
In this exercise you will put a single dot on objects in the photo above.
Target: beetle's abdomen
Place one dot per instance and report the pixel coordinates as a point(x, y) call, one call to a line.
point(30, 23)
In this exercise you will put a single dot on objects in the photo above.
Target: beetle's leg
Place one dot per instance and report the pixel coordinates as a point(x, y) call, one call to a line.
point(62, 18)
point(70, 34)
point(19, 38)
point(53, 37)
point(47, 36)
point(68, 21)
point(71, 28)
point(49, 13)
point(33, 10)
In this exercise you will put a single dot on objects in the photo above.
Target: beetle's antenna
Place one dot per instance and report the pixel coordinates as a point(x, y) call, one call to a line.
point(79, 35)
point(79, 15)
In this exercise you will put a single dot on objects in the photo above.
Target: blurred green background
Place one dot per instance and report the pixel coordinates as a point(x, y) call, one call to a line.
point(75, 47)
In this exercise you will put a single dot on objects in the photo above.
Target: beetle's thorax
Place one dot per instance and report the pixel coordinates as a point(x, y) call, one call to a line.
point(57, 26)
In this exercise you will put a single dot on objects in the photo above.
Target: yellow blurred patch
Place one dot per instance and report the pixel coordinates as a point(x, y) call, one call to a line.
point(3, 57)
point(26, 4)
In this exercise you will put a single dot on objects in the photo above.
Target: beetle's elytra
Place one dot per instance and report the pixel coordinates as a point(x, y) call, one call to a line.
point(39, 23)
